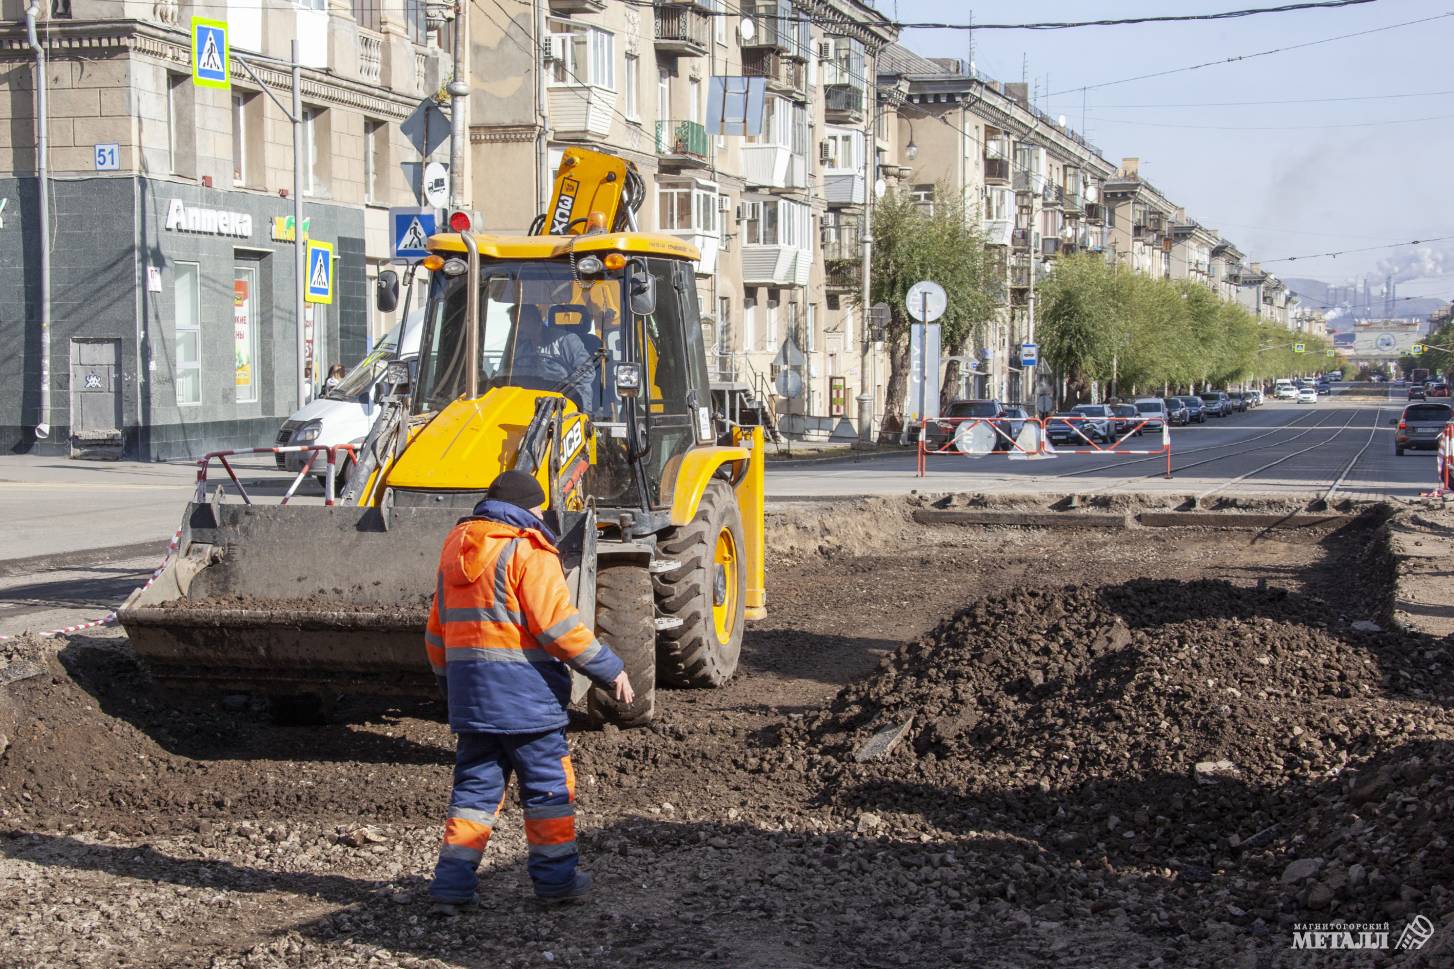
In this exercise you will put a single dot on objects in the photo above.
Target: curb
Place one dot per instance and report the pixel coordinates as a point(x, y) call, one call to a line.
point(78, 559)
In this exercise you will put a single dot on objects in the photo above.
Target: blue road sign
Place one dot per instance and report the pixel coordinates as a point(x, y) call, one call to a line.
point(1029, 354)
point(411, 230)
point(209, 53)
point(320, 272)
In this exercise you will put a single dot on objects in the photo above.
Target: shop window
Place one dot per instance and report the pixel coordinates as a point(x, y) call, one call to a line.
point(187, 293)
point(244, 332)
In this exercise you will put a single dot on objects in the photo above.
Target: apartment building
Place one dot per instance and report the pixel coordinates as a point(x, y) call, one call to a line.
point(1141, 237)
point(1191, 251)
point(172, 269)
point(1035, 184)
point(775, 214)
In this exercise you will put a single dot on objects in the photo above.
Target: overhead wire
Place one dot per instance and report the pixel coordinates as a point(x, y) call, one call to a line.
point(1280, 127)
point(1261, 103)
point(1346, 252)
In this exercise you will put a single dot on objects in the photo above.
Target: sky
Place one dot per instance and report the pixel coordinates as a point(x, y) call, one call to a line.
point(1274, 179)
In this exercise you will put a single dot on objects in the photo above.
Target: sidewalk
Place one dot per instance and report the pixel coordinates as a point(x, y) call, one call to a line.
point(53, 506)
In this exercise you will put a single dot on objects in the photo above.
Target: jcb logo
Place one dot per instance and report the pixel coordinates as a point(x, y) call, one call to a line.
point(560, 218)
point(571, 442)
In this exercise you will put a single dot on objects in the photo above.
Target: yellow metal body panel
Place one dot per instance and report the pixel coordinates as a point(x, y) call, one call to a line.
point(751, 504)
point(558, 247)
point(693, 473)
point(586, 182)
point(468, 443)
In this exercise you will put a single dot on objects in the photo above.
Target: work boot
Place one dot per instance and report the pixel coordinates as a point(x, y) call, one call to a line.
point(442, 909)
point(578, 889)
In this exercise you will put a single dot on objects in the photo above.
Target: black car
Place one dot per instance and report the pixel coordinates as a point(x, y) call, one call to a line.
point(1217, 403)
point(1177, 412)
point(1416, 392)
point(1420, 426)
point(1196, 409)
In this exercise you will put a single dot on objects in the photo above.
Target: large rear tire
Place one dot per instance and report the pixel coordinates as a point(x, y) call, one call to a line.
point(708, 593)
point(626, 622)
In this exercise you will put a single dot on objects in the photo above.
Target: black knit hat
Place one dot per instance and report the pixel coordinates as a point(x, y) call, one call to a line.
point(516, 488)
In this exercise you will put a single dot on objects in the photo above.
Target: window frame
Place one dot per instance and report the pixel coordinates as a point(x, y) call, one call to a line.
point(192, 330)
point(571, 41)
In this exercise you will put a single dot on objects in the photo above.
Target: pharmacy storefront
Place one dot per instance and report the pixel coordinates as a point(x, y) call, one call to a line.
point(173, 327)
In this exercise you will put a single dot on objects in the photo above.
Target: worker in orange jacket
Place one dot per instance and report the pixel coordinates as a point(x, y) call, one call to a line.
point(502, 639)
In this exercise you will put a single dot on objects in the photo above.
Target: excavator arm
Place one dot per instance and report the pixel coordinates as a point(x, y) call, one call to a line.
point(589, 182)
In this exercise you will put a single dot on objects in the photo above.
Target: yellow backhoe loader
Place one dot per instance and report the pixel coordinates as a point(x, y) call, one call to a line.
point(576, 353)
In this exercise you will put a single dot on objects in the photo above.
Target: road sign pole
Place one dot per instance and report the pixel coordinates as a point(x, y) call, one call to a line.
point(924, 356)
point(300, 271)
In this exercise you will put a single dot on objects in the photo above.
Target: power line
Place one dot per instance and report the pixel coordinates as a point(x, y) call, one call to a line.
point(1247, 57)
point(1057, 24)
point(1285, 127)
point(1242, 104)
point(1346, 252)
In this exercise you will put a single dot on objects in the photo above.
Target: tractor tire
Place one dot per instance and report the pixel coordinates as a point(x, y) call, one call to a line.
point(626, 622)
point(707, 593)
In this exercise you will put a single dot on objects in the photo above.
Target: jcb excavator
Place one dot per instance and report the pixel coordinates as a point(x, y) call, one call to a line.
point(576, 353)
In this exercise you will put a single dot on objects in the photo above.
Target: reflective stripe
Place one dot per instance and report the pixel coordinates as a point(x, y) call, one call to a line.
point(551, 831)
point(550, 811)
point(586, 655)
point(433, 639)
point(467, 832)
point(566, 625)
point(473, 814)
point(480, 614)
point(502, 569)
point(502, 654)
point(563, 850)
point(460, 853)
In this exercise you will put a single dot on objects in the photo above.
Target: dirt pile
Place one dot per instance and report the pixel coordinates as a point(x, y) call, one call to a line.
point(1200, 728)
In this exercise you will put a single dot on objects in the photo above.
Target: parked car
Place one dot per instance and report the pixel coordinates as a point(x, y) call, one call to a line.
point(1238, 400)
point(1285, 390)
point(1256, 397)
point(1127, 417)
point(1153, 412)
point(939, 433)
point(1436, 388)
point(1177, 412)
point(1096, 425)
point(1217, 403)
point(1307, 396)
point(1016, 416)
point(1196, 409)
point(1417, 392)
point(1419, 426)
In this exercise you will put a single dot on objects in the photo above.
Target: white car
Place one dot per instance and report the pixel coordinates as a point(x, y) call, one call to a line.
point(346, 414)
point(1285, 392)
point(1152, 411)
point(1307, 396)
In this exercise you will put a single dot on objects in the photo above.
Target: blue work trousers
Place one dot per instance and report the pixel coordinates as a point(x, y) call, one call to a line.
point(482, 768)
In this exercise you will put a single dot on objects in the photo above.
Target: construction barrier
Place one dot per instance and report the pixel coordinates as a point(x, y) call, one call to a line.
point(1444, 468)
point(1028, 438)
point(313, 450)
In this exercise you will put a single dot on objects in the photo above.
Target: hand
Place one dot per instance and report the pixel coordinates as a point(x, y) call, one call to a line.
point(622, 685)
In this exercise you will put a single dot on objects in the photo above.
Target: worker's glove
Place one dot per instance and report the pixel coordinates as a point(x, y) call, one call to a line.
point(622, 687)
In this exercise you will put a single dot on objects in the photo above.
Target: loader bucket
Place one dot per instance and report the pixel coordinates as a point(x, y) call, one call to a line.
point(294, 599)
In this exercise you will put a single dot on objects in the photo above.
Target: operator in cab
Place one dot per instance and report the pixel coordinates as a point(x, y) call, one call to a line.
point(502, 639)
point(553, 353)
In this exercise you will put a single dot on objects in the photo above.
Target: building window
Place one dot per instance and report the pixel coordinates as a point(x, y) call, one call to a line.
point(694, 100)
point(239, 138)
point(749, 320)
point(663, 95)
point(777, 222)
point(769, 332)
point(376, 140)
point(724, 326)
point(923, 196)
point(784, 125)
point(181, 124)
point(312, 123)
point(686, 207)
point(844, 150)
point(632, 82)
point(581, 55)
point(187, 292)
point(811, 326)
point(244, 332)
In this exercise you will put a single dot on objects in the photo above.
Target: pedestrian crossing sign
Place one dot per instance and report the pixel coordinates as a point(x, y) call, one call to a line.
point(1417, 349)
point(412, 229)
point(1299, 347)
point(320, 272)
point(210, 56)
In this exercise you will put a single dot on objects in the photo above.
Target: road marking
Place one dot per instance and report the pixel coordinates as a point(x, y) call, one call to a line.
point(1286, 457)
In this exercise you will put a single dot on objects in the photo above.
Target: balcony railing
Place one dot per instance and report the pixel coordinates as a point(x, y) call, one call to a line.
point(1072, 202)
point(783, 75)
point(996, 169)
point(771, 30)
point(684, 140)
point(1020, 277)
point(1049, 246)
point(843, 101)
point(1020, 239)
point(843, 274)
point(843, 245)
point(1026, 181)
point(370, 56)
point(682, 29)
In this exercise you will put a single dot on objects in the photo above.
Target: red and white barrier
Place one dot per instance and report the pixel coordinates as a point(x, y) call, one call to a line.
point(1038, 445)
point(1444, 463)
point(313, 450)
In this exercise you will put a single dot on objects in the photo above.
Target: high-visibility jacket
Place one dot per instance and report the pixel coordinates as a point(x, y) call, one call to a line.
point(502, 630)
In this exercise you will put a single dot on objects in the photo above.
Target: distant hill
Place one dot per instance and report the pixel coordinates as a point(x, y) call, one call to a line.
point(1314, 294)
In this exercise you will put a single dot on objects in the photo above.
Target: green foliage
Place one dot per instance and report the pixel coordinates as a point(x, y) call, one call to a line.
point(1101, 322)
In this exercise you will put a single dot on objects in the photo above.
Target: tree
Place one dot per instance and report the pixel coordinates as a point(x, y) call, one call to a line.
point(946, 245)
point(1080, 306)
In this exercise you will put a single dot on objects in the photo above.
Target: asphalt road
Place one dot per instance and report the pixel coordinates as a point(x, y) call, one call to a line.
point(62, 515)
point(1341, 446)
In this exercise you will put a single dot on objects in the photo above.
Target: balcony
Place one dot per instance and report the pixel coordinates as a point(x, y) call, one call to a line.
point(577, 6)
point(682, 144)
point(1028, 181)
point(1049, 247)
point(771, 30)
point(370, 56)
point(1020, 239)
point(683, 29)
point(997, 232)
point(783, 76)
point(1020, 276)
point(774, 166)
point(843, 188)
point(1053, 195)
point(997, 170)
point(1072, 203)
point(1095, 212)
point(843, 103)
point(843, 244)
point(776, 265)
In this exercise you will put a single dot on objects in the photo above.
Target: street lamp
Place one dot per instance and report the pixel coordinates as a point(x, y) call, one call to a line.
point(911, 150)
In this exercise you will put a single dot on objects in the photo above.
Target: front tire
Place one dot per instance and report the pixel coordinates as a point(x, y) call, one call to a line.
point(708, 593)
point(626, 622)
